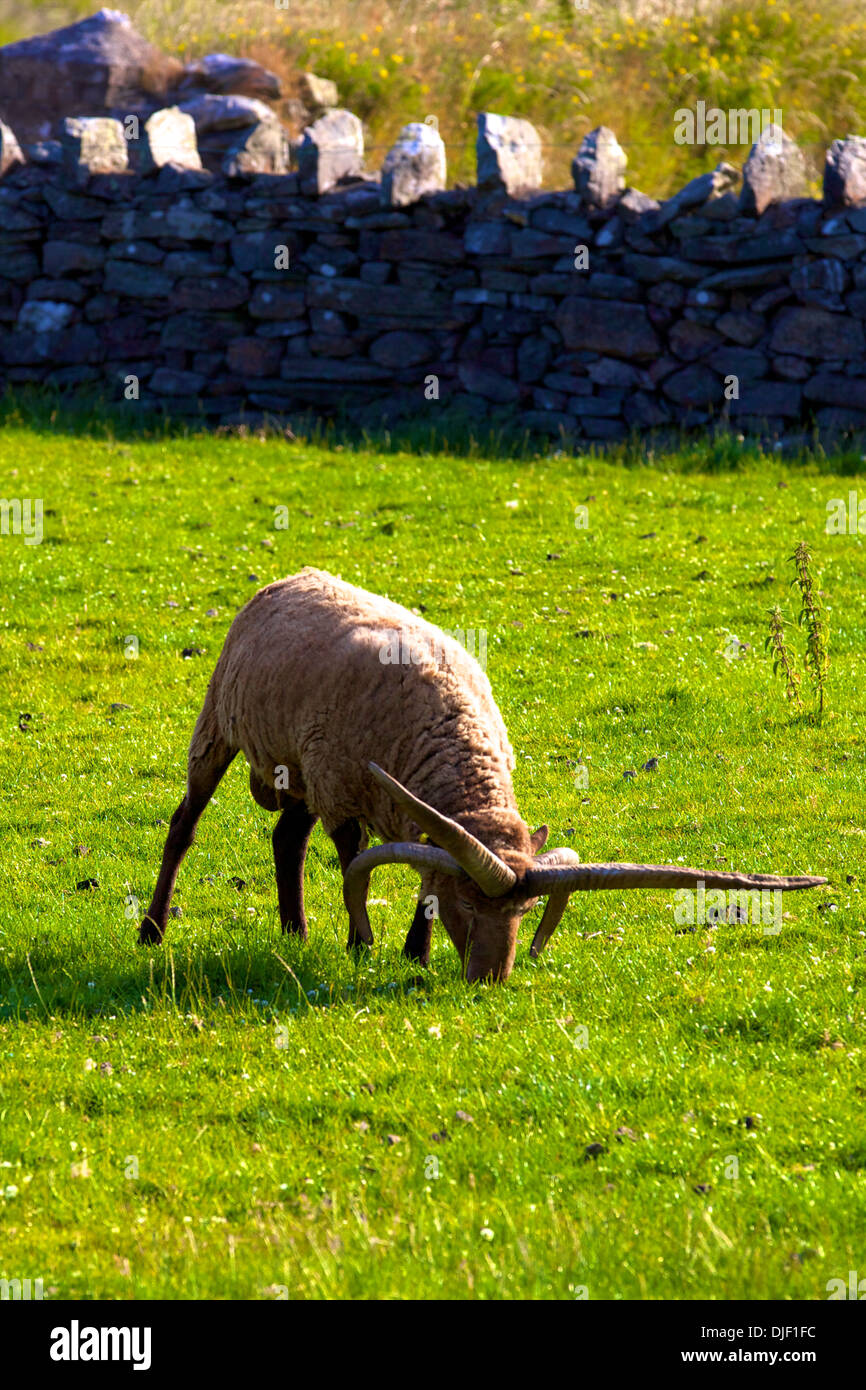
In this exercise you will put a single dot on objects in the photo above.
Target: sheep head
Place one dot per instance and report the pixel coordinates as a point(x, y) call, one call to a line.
point(481, 895)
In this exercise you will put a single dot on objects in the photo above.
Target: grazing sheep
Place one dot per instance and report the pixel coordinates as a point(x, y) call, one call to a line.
point(306, 687)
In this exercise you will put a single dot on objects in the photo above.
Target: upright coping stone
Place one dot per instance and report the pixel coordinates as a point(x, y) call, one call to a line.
point(414, 165)
point(509, 154)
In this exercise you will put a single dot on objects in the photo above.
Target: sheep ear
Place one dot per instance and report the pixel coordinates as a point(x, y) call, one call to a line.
point(538, 839)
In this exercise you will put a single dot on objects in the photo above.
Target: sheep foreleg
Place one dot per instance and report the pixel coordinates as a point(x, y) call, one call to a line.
point(348, 838)
point(417, 946)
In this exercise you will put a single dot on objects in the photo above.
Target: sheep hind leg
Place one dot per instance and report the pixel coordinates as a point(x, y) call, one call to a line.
point(204, 777)
point(348, 839)
point(290, 840)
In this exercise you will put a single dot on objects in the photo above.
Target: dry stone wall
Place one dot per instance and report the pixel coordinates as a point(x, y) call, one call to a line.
point(586, 314)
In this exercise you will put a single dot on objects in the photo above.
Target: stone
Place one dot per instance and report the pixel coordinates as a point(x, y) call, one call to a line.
point(210, 292)
point(704, 299)
point(94, 145)
point(744, 328)
point(508, 155)
point(562, 427)
point(172, 179)
point(746, 364)
point(667, 294)
point(830, 389)
point(72, 207)
point(135, 281)
point(533, 358)
point(561, 222)
point(605, 430)
point(813, 332)
point(398, 349)
point(326, 321)
point(415, 244)
point(694, 386)
point(611, 235)
point(598, 168)
point(223, 73)
point(18, 265)
point(60, 257)
point(44, 316)
point(13, 218)
point(368, 302)
point(198, 332)
point(217, 113)
point(832, 420)
point(486, 239)
point(221, 124)
point(492, 385)
point(62, 291)
point(259, 251)
point(183, 220)
point(634, 205)
point(594, 407)
point(827, 277)
point(100, 66)
point(766, 246)
point(327, 369)
point(702, 189)
point(653, 269)
point(414, 166)
point(845, 172)
point(722, 209)
point(775, 170)
point(791, 368)
point(168, 137)
point(615, 330)
point(543, 399)
point(846, 248)
point(318, 94)
point(11, 154)
point(330, 149)
point(254, 356)
point(747, 277)
point(277, 302)
point(690, 341)
point(261, 149)
point(767, 399)
point(771, 299)
point(44, 152)
point(186, 263)
point(167, 381)
point(643, 411)
point(609, 372)
point(529, 244)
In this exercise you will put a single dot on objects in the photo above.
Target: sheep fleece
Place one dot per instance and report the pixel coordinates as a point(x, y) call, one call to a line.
point(300, 685)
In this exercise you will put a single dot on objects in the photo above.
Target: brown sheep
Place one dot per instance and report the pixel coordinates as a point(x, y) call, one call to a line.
point(307, 688)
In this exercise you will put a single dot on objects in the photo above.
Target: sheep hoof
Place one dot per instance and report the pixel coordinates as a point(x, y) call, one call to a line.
point(149, 934)
point(298, 929)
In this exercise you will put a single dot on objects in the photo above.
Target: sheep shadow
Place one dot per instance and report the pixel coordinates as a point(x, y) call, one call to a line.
point(260, 973)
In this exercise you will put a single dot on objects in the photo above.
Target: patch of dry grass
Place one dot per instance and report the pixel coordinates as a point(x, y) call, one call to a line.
point(567, 65)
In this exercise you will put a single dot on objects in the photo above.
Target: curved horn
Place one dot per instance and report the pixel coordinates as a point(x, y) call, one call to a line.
point(560, 874)
point(483, 866)
point(356, 880)
point(557, 902)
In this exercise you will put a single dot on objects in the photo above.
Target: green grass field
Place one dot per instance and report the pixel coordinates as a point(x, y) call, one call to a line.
point(235, 1115)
